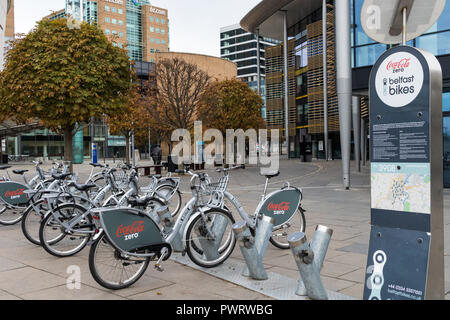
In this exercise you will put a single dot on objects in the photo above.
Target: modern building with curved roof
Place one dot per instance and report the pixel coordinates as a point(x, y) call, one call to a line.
point(307, 88)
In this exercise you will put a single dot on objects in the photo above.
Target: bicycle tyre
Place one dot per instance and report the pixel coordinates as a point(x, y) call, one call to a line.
point(10, 222)
point(192, 247)
point(93, 252)
point(284, 245)
point(27, 215)
point(47, 245)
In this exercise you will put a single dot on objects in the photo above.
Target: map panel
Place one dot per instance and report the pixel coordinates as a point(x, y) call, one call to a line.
point(401, 187)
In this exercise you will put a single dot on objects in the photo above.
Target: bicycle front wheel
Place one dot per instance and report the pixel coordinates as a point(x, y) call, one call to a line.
point(210, 239)
point(111, 269)
point(280, 234)
point(56, 240)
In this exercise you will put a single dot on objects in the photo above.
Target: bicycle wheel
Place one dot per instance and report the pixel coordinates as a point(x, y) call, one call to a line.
point(31, 221)
point(280, 234)
point(11, 216)
point(212, 233)
point(111, 269)
point(174, 203)
point(56, 240)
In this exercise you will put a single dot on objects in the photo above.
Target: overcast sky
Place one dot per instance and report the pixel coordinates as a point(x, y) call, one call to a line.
point(194, 24)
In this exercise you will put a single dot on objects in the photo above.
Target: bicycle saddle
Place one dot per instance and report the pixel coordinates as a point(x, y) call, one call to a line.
point(97, 165)
point(270, 174)
point(82, 187)
point(20, 172)
point(140, 202)
point(5, 167)
point(60, 176)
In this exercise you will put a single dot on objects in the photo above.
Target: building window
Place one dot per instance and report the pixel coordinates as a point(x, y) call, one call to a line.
point(120, 45)
point(157, 30)
point(120, 23)
point(113, 9)
point(114, 21)
point(157, 41)
point(163, 31)
point(152, 50)
point(157, 20)
point(107, 31)
point(106, 8)
point(152, 29)
point(107, 20)
point(120, 11)
point(152, 40)
point(163, 41)
point(114, 32)
point(152, 19)
point(163, 21)
point(121, 34)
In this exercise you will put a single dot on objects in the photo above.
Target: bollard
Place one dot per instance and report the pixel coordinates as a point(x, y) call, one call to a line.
point(262, 236)
point(319, 245)
point(304, 257)
point(249, 251)
point(210, 243)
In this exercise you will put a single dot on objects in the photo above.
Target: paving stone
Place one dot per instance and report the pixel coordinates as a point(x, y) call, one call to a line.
point(63, 293)
point(7, 296)
point(334, 269)
point(178, 292)
point(356, 247)
point(26, 280)
point(356, 291)
point(355, 276)
point(7, 264)
point(353, 259)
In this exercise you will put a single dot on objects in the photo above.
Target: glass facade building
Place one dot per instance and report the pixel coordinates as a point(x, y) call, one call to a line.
point(240, 46)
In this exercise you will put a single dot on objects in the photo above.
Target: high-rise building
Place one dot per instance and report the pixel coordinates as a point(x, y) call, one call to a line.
point(6, 26)
point(138, 26)
point(240, 46)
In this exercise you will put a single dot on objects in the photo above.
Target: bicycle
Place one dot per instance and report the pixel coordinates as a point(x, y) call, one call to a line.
point(281, 205)
point(127, 239)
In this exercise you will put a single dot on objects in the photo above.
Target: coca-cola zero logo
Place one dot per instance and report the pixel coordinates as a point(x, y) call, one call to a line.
point(278, 208)
point(124, 231)
point(398, 66)
point(14, 194)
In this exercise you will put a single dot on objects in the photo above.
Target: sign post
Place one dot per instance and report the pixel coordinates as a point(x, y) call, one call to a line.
point(94, 153)
point(406, 250)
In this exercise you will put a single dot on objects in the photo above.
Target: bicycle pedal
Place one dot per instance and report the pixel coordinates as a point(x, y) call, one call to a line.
point(159, 268)
point(183, 254)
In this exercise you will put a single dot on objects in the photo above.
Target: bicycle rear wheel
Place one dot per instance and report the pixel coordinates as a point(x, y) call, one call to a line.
point(111, 269)
point(10, 216)
point(174, 203)
point(210, 238)
point(280, 234)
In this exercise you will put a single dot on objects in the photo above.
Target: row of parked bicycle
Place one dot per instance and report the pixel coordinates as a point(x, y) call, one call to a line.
point(129, 224)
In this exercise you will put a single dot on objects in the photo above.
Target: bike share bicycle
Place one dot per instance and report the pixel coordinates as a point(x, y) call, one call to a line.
point(127, 239)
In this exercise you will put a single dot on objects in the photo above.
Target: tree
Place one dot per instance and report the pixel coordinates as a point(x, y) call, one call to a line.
point(64, 75)
point(231, 104)
point(180, 86)
point(134, 117)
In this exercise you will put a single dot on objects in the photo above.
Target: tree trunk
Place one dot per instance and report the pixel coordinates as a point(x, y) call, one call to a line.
point(127, 152)
point(68, 155)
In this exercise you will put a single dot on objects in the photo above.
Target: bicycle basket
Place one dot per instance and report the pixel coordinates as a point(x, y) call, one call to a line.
point(211, 194)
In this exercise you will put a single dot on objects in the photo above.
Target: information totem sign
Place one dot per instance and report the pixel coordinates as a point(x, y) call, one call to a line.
point(406, 251)
point(94, 153)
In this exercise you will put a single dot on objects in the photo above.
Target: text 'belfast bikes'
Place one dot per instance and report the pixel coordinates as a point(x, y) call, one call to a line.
point(262, 146)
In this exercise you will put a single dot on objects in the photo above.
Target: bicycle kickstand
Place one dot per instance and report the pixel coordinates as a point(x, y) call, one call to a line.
point(158, 267)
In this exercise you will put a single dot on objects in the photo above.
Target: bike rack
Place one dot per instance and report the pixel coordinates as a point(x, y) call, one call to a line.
point(211, 246)
point(253, 248)
point(166, 218)
point(309, 259)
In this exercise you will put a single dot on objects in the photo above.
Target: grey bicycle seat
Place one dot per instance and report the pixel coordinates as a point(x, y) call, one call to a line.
point(269, 174)
point(20, 172)
point(82, 187)
point(5, 167)
point(61, 176)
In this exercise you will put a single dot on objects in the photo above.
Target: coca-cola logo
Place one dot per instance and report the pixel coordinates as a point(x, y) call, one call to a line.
point(399, 65)
point(16, 193)
point(136, 227)
point(282, 206)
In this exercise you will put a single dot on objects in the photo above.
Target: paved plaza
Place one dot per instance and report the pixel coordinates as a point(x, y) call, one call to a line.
point(28, 272)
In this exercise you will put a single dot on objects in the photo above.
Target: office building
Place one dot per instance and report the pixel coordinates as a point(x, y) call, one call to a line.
point(138, 26)
point(305, 101)
point(6, 26)
point(241, 47)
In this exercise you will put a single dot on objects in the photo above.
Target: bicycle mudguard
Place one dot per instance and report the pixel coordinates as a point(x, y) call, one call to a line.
point(281, 205)
point(130, 229)
point(13, 193)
